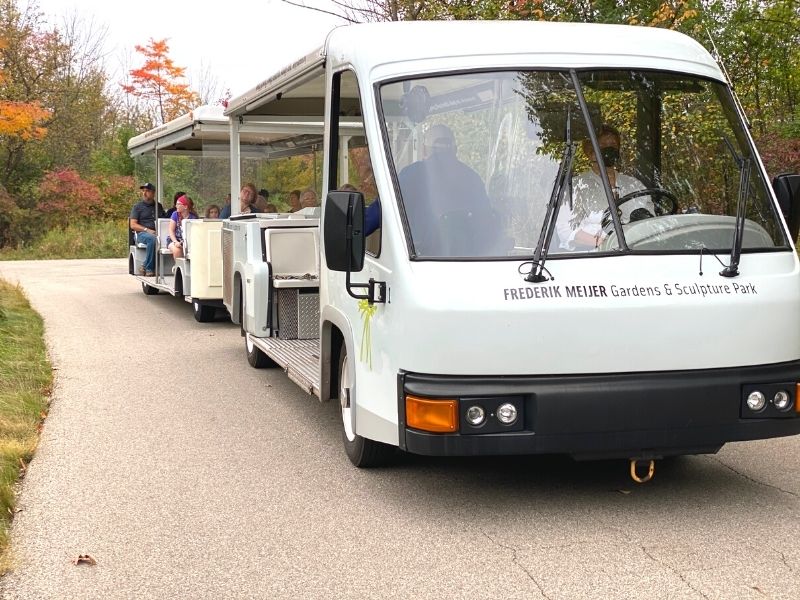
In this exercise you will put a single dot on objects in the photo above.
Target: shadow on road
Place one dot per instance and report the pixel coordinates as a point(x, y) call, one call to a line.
point(505, 484)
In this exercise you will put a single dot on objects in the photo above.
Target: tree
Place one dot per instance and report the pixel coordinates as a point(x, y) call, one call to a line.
point(208, 88)
point(160, 83)
point(360, 11)
point(671, 14)
point(53, 81)
point(21, 119)
point(112, 156)
point(67, 198)
point(24, 120)
point(759, 42)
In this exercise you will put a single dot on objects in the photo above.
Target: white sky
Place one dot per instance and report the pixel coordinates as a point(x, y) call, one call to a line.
point(240, 42)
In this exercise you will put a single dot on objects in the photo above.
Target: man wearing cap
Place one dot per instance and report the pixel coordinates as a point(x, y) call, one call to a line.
point(445, 201)
point(143, 222)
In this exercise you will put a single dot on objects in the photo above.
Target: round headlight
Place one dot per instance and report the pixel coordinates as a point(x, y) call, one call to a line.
point(756, 401)
point(782, 400)
point(476, 415)
point(507, 413)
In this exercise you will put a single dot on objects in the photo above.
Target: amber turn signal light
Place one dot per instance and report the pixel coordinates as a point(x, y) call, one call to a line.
point(797, 398)
point(437, 416)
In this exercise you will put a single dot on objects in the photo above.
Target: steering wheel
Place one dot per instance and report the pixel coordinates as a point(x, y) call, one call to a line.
point(659, 196)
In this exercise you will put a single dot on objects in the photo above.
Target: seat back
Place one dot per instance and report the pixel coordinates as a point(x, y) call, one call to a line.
point(293, 252)
point(163, 233)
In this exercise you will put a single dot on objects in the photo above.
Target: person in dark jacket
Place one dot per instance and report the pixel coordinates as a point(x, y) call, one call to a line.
point(143, 223)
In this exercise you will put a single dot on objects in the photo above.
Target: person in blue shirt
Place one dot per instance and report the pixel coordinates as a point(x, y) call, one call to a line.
point(372, 213)
point(372, 217)
point(225, 213)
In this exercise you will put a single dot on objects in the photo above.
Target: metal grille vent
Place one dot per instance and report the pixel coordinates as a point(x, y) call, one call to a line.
point(287, 314)
point(308, 316)
point(227, 266)
point(298, 315)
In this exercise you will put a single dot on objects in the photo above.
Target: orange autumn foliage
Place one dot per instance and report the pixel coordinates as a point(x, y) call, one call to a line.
point(159, 80)
point(21, 119)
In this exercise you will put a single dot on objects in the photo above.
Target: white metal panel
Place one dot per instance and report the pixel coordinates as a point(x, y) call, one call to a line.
point(185, 123)
point(426, 46)
point(514, 43)
point(293, 252)
point(254, 124)
point(204, 254)
point(601, 315)
point(175, 137)
point(303, 68)
point(397, 48)
point(462, 319)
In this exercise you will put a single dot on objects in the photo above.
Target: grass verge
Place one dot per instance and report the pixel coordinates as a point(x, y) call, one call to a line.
point(96, 239)
point(25, 382)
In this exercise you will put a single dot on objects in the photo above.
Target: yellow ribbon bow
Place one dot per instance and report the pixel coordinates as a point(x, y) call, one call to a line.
point(367, 311)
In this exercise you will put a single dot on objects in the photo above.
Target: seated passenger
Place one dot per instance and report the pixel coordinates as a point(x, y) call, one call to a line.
point(142, 222)
point(372, 212)
point(372, 218)
point(171, 210)
point(212, 212)
point(247, 199)
point(445, 201)
point(175, 238)
point(294, 201)
point(581, 228)
point(192, 212)
point(225, 213)
point(262, 202)
point(308, 199)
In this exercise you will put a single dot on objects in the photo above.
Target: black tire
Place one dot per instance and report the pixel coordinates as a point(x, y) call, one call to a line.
point(362, 452)
point(256, 357)
point(203, 313)
point(149, 290)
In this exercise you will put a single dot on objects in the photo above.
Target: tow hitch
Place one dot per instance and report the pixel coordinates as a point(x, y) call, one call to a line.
point(637, 466)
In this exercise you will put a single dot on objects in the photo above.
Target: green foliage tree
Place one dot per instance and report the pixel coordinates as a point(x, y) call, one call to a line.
point(61, 70)
point(17, 224)
point(117, 193)
point(759, 43)
point(111, 157)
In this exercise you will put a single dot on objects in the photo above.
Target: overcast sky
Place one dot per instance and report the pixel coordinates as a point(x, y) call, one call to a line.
point(241, 42)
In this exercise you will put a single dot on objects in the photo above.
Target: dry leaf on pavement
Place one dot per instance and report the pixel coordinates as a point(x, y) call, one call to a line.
point(84, 559)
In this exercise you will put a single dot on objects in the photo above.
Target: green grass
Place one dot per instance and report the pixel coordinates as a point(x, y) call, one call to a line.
point(99, 239)
point(25, 382)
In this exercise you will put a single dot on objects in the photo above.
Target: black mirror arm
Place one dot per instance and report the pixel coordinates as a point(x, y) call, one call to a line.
point(372, 286)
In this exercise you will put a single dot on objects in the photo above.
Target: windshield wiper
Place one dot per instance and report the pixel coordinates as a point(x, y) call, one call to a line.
point(744, 164)
point(548, 226)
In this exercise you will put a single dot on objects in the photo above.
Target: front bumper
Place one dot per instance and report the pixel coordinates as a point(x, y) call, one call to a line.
point(621, 415)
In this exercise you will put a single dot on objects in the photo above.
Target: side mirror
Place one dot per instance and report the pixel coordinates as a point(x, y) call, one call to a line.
point(344, 231)
point(787, 191)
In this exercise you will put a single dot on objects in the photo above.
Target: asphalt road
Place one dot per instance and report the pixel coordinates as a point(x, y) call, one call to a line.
point(187, 474)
